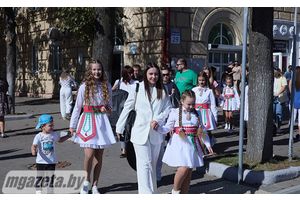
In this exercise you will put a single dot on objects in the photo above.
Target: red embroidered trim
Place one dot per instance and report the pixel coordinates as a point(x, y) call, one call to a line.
point(92, 109)
point(202, 106)
point(187, 129)
point(93, 128)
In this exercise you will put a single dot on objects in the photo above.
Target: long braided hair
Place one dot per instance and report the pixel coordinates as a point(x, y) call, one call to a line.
point(91, 83)
point(185, 94)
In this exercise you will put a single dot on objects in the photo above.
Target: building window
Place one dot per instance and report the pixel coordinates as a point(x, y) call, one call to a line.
point(56, 57)
point(220, 34)
point(218, 57)
point(34, 58)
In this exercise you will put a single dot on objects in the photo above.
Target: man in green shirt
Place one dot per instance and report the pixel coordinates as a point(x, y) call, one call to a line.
point(185, 79)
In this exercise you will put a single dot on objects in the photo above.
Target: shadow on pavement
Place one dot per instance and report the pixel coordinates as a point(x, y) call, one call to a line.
point(169, 179)
point(22, 129)
point(35, 132)
point(23, 155)
point(9, 151)
point(50, 113)
point(221, 147)
point(119, 187)
point(38, 102)
point(218, 186)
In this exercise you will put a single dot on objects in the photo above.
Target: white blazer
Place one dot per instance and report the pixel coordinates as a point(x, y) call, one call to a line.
point(157, 109)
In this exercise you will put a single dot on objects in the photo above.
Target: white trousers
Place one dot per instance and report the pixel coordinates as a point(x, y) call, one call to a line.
point(146, 159)
point(65, 100)
point(297, 111)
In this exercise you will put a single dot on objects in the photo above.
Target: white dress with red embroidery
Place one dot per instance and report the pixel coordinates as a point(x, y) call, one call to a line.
point(230, 99)
point(187, 150)
point(93, 129)
point(206, 107)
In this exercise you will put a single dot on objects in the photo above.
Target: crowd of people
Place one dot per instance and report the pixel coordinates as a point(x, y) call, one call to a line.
point(172, 115)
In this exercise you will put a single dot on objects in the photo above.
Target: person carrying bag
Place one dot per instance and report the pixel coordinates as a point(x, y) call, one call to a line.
point(152, 106)
point(127, 134)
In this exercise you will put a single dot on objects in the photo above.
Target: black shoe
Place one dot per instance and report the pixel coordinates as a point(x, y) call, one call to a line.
point(68, 116)
point(123, 155)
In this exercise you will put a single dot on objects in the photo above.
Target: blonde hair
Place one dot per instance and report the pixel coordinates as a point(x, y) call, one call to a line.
point(91, 84)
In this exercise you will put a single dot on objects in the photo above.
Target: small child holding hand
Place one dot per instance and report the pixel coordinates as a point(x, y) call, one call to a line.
point(43, 147)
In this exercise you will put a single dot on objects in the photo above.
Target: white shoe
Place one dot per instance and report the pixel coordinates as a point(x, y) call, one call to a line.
point(95, 190)
point(226, 126)
point(38, 192)
point(175, 192)
point(85, 188)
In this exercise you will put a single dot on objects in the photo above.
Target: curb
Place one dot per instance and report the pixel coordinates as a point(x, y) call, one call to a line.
point(17, 117)
point(253, 177)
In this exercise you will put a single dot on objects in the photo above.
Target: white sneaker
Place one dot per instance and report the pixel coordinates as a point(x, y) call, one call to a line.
point(175, 191)
point(38, 192)
point(95, 190)
point(85, 188)
point(226, 126)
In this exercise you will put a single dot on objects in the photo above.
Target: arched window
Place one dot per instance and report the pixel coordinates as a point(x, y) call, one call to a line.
point(221, 39)
point(220, 34)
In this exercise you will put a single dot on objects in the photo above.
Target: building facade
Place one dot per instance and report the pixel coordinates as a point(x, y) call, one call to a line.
point(204, 36)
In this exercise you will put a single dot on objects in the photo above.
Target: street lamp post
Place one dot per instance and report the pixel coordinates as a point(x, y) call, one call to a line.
point(241, 134)
point(290, 151)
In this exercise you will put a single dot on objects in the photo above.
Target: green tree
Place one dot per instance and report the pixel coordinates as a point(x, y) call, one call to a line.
point(260, 125)
point(94, 26)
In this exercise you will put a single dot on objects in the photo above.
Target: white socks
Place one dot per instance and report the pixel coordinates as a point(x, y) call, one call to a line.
point(228, 126)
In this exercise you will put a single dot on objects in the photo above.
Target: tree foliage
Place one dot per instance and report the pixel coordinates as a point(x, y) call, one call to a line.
point(84, 23)
point(81, 22)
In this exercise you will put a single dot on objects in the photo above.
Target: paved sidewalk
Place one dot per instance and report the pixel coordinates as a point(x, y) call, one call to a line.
point(116, 176)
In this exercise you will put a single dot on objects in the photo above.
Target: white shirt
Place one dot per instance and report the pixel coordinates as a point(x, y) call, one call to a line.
point(68, 82)
point(123, 86)
point(46, 147)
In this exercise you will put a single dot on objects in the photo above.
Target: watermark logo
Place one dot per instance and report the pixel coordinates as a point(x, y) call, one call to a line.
point(30, 182)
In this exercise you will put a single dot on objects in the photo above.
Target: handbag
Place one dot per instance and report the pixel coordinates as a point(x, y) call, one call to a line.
point(119, 97)
point(131, 158)
point(283, 97)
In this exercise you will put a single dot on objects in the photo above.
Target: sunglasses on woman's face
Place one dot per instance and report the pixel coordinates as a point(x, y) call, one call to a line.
point(165, 74)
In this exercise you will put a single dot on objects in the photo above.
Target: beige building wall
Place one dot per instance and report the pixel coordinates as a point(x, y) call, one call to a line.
point(144, 29)
point(33, 30)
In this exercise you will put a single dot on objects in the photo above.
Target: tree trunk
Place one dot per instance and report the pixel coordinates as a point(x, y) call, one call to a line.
point(10, 38)
point(102, 44)
point(260, 125)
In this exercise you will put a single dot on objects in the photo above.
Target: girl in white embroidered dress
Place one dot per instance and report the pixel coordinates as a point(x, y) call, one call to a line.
point(230, 102)
point(205, 103)
point(186, 142)
point(93, 131)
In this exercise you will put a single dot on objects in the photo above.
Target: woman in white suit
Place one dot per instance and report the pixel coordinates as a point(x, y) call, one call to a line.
point(152, 108)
